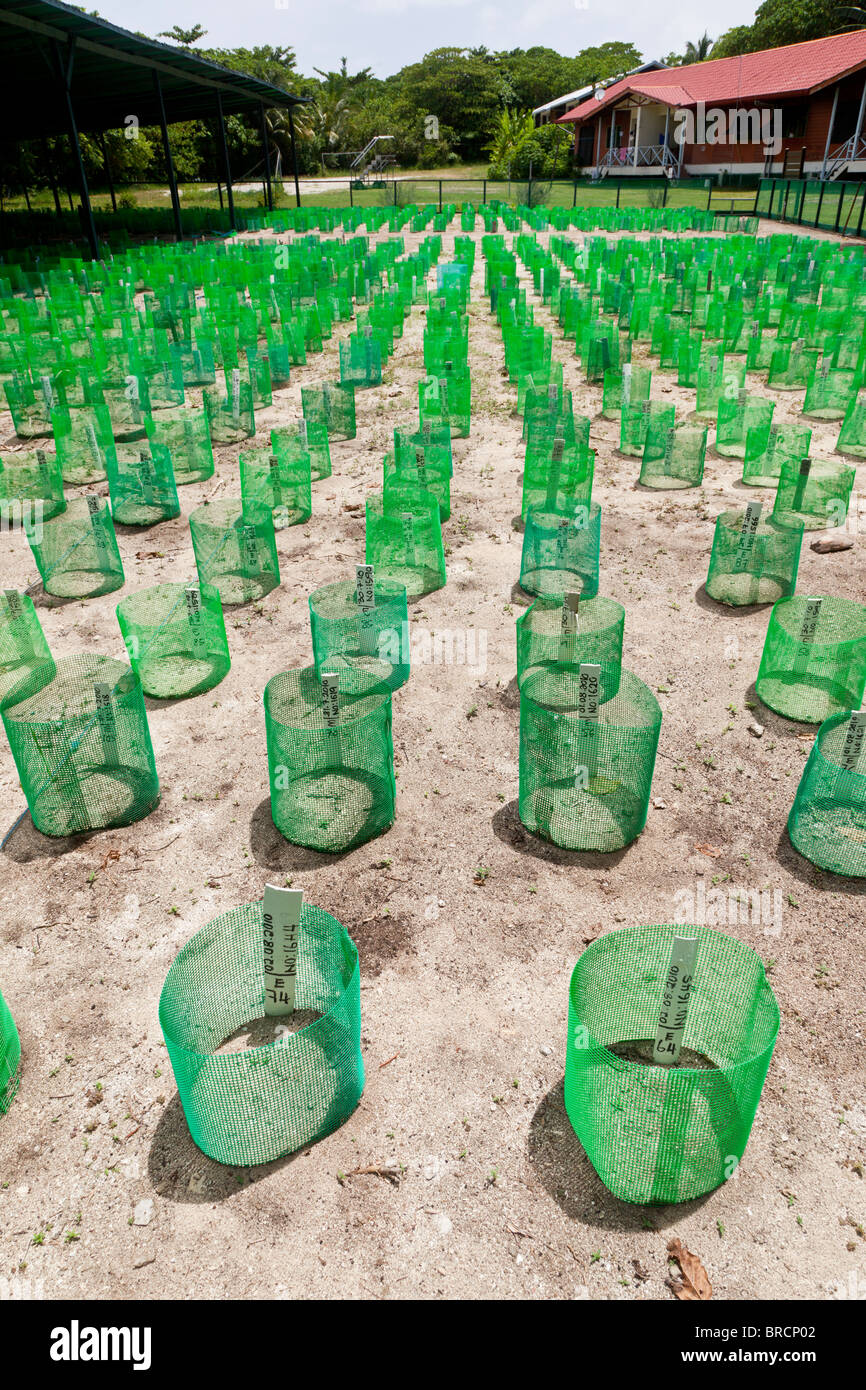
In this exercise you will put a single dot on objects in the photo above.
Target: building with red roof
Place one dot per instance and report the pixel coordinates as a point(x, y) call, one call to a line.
point(806, 101)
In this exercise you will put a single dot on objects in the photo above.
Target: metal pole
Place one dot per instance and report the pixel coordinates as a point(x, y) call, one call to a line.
point(295, 160)
point(830, 132)
point(484, 191)
point(574, 198)
point(636, 138)
point(440, 195)
point(859, 122)
point(227, 173)
point(64, 71)
point(269, 193)
point(169, 162)
point(820, 201)
point(107, 162)
point(860, 218)
point(618, 191)
point(49, 169)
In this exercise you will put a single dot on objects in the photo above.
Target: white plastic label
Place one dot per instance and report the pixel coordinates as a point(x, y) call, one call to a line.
point(281, 922)
point(675, 1001)
point(196, 620)
point(107, 725)
point(365, 595)
point(330, 699)
point(855, 735)
point(748, 532)
point(409, 537)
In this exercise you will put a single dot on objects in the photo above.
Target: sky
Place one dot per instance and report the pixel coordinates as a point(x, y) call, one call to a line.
point(386, 34)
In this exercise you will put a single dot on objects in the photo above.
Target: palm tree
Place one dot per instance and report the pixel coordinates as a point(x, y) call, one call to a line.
point(698, 52)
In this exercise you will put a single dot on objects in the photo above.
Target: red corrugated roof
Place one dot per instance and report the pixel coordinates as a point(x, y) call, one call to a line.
point(774, 72)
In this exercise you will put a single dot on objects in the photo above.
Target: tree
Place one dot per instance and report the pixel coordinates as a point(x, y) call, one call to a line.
point(185, 37)
point(781, 22)
point(698, 52)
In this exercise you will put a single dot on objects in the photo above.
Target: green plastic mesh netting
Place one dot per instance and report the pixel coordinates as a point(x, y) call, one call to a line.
point(561, 551)
point(235, 549)
point(410, 466)
point(658, 1134)
point(332, 786)
point(556, 632)
point(82, 437)
point(404, 537)
point(814, 659)
point(737, 419)
point(76, 552)
point(753, 563)
point(310, 438)
point(253, 1094)
point(230, 414)
point(364, 643)
point(332, 404)
point(185, 434)
point(813, 493)
point(637, 420)
point(765, 453)
point(10, 1057)
point(175, 638)
point(673, 456)
point(23, 647)
point(852, 435)
point(585, 782)
point(557, 477)
point(141, 484)
point(827, 823)
point(829, 391)
point(280, 478)
point(82, 746)
point(30, 486)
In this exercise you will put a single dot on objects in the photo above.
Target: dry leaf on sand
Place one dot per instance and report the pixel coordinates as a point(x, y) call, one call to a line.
point(693, 1285)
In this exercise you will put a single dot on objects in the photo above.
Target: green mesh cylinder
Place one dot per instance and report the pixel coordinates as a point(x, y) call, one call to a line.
point(185, 434)
point(361, 645)
point(736, 419)
point(82, 747)
point(628, 385)
point(758, 570)
point(23, 647)
point(332, 788)
point(791, 366)
point(829, 392)
point(827, 823)
point(128, 405)
point(30, 409)
point(557, 478)
point(584, 783)
point(718, 379)
point(561, 551)
point(235, 549)
point(852, 435)
point(281, 480)
point(82, 438)
point(253, 1104)
point(813, 493)
point(673, 455)
point(230, 414)
point(551, 634)
point(333, 405)
point(311, 439)
point(10, 1057)
point(659, 1134)
point(404, 538)
point(141, 484)
point(637, 420)
point(77, 554)
point(30, 486)
point(175, 638)
point(765, 454)
point(360, 361)
point(410, 466)
point(814, 659)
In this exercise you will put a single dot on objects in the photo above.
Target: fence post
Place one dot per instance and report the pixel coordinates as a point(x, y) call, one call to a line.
point(618, 191)
point(804, 188)
point(440, 195)
point(574, 199)
point(395, 192)
point(484, 191)
point(820, 201)
point(665, 194)
point(839, 208)
point(710, 194)
point(862, 210)
point(351, 198)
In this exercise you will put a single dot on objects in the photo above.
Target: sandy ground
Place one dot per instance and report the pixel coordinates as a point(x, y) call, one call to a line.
point(464, 985)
